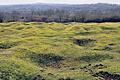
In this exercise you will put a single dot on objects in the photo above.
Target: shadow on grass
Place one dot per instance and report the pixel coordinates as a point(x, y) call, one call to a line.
point(94, 58)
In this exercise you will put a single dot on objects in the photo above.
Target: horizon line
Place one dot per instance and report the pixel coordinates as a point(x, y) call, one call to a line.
point(57, 3)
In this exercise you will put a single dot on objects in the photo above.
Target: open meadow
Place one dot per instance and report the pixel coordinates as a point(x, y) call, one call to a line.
point(59, 51)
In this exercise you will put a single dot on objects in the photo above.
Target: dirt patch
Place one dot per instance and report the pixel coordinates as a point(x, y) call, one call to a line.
point(47, 59)
point(38, 77)
point(84, 42)
point(102, 75)
point(42, 59)
point(107, 75)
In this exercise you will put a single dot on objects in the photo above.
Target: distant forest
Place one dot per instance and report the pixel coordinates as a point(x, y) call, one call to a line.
point(60, 13)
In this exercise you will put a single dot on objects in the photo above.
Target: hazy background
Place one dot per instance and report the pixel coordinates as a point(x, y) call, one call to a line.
point(9, 2)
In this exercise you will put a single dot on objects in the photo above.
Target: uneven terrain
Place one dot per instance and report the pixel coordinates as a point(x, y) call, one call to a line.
point(59, 51)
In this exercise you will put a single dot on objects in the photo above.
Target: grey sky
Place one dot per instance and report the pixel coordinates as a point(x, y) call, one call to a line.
point(6, 2)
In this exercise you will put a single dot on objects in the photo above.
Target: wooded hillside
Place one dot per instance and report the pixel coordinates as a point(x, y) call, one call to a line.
point(60, 13)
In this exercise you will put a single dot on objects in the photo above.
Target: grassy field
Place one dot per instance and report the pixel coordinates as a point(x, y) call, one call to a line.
point(59, 51)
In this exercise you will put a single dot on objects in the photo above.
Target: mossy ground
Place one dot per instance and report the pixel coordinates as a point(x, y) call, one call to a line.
point(55, 51)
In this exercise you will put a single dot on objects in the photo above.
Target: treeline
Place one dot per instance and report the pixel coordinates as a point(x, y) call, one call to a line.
point(61, 15)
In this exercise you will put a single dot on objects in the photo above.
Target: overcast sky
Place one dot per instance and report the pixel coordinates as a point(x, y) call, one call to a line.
point(6, 2)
